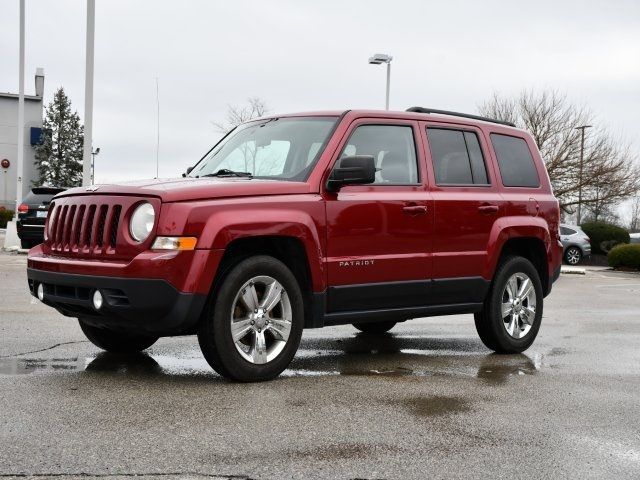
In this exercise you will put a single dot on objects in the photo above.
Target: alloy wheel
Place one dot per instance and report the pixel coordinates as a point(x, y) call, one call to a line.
point(261, 317)
point(518, 307)
point(573, 256)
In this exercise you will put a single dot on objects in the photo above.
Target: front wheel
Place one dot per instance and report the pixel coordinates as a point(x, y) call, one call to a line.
point(573, 255)
point(512, 312)
point(253, 324)
point(116, 342)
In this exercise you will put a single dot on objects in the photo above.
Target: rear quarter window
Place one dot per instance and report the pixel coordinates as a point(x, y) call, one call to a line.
point(515, 161)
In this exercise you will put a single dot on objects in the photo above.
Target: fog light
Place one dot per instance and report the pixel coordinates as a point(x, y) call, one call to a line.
point(97, 300)
point(40, 292)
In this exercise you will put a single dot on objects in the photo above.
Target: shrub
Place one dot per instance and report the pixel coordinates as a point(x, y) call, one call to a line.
point(627, 256)
point(604, 236)
point(5, 216)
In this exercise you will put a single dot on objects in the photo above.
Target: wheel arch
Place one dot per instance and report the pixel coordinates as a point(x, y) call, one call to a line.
point(290, 250)
point(526, 237)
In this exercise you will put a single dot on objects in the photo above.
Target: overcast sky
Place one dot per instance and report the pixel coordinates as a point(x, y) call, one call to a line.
point(312, 55)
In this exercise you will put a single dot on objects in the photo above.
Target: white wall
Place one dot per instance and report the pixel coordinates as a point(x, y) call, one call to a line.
point(8, 146)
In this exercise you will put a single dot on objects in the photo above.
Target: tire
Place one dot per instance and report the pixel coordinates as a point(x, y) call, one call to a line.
point(260, 350)
point(573, 255)
point(492, 328)
point(375, 327)
point(114, 341)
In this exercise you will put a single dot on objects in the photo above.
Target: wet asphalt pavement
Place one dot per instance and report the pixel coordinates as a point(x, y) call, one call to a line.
point(427, 400)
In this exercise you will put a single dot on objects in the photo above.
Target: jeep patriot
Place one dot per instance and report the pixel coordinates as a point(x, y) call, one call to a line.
point(309, 220)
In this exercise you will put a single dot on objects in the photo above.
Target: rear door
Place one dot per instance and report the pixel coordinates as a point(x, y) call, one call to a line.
point(467, 203)
point(379, 235)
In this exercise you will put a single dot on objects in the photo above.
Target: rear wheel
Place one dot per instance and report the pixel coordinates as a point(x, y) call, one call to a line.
point(512, 312)
point(375, 327)
point(573, 255)
point(253, 324)
point(116, 342)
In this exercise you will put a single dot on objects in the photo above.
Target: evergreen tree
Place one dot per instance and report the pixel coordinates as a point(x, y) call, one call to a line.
point(59, 158)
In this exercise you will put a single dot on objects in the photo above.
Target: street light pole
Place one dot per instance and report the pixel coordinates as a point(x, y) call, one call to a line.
point(582, 128)
point(93, 165)
point(388, 84)
point(20, 162)
point(378, 59)
point(88, 94)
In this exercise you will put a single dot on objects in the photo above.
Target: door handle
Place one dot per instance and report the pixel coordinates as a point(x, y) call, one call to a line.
point(488, 208)
point(414, 209)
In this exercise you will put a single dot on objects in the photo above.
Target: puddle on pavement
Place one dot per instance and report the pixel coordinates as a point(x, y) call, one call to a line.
point(383, 356)
point(436, 406)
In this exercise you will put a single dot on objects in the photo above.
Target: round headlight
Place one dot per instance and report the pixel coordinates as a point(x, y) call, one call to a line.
point(142, 222)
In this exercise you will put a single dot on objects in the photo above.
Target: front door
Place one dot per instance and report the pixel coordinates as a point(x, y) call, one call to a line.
point(379, 235)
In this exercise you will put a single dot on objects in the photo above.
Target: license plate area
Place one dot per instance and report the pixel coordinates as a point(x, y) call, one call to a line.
point(40, 214)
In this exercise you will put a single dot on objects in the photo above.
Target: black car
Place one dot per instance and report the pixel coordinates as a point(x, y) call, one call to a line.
point(32, 214)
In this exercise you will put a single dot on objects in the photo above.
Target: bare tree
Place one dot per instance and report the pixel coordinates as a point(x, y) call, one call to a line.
point(255, 108)
point(610, 173)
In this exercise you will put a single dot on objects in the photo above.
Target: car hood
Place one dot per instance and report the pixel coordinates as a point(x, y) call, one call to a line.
point(181, 189)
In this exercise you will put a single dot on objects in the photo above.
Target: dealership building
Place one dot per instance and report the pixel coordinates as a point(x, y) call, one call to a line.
point(33, 110)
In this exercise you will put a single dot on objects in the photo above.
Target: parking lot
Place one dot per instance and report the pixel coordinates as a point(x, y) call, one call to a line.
point(427, 400)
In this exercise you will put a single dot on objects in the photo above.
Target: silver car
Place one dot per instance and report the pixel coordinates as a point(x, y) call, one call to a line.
point(575, 242)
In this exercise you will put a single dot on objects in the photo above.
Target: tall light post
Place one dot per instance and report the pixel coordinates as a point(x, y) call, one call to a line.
point(20, 162)
point(378, 59)
point(88, 95)
point(93, 164)
point(582, 128)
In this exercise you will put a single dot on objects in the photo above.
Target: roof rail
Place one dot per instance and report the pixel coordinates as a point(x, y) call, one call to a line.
point(458, 114)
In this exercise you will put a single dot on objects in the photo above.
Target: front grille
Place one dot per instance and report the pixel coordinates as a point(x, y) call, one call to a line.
point(84, 228)
point(91, 226)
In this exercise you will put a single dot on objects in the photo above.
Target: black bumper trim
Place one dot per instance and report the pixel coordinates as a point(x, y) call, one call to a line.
point(139, 305)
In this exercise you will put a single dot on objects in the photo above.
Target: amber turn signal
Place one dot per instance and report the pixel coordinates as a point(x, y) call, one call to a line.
point(174, 243)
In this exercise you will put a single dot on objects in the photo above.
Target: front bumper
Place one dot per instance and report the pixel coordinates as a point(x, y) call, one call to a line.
point(138, 305)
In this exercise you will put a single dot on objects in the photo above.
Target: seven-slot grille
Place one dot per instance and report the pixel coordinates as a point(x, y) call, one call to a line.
point(85, 227)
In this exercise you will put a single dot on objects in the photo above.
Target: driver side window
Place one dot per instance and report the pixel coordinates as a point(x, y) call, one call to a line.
point(393, 148)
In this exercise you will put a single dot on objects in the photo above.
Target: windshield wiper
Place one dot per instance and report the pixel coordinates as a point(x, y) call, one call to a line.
point(225, 172)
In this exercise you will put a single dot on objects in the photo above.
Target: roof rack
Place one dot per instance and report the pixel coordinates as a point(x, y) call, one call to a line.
point(458, 114)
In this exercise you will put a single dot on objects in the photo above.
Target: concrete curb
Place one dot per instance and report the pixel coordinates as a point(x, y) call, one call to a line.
point(573, 270)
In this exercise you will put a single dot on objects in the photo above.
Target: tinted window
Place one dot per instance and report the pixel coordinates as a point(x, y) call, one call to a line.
point(567, 231)
point(393, 149)
point(515, 161)
point(457, 157)
point(478, 170)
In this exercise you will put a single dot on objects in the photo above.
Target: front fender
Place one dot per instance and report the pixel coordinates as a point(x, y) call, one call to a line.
point(218, 223)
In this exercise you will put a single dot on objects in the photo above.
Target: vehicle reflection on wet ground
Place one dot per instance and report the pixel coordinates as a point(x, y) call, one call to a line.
point(387, 354)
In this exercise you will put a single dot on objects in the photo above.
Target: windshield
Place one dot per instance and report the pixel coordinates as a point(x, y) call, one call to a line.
point(278, 148)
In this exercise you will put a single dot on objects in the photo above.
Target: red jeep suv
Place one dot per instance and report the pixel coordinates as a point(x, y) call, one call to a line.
point(309, 220)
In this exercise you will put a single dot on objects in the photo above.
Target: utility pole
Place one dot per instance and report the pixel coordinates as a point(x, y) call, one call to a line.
point(582, 128)
point(88, 94)
point(20, 162)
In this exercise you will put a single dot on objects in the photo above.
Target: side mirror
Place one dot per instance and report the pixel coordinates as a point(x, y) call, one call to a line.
point(353, 170)
point(187, 172)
